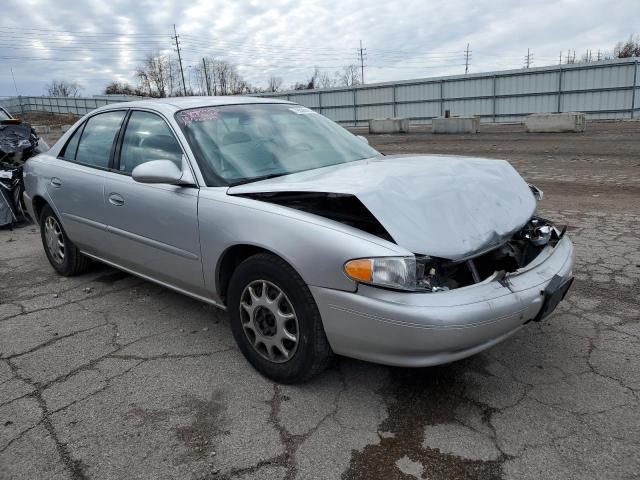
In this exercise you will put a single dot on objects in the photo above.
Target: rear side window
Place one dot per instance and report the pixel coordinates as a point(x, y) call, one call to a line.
point(98, 139)
point(69, 151)
point(148, 137)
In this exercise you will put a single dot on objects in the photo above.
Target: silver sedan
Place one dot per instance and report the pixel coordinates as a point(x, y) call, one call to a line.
point(314, 242)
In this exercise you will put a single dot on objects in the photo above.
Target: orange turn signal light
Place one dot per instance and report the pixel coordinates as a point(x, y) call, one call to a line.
point(360, 269)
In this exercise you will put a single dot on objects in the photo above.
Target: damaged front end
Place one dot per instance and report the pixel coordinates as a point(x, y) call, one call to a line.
point(422, 273)
point(496, 264)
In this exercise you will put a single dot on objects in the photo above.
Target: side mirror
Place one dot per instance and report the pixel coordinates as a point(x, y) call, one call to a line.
point(161, 171)
point(363, 139)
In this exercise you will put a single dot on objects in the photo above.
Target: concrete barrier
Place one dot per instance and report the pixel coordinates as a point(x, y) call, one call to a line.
point(389, 125)
point(455, 125)
point(556, 122)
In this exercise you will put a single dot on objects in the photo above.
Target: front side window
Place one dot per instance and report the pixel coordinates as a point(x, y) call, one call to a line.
point(148, 137)
point(98, 139)
point(242, 143)
point(4, 115)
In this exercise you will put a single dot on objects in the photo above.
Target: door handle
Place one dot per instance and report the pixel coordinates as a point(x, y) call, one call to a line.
point(56, 182)
point(116, 199)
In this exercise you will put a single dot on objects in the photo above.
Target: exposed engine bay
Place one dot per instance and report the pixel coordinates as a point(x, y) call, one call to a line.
point(343, 208)
point(433, 274)
point(437, 275)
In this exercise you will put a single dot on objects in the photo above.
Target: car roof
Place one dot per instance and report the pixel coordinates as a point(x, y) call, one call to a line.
point(181, 103)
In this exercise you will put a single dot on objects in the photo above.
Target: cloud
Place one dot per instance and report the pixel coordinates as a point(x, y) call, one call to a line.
point(94, 42)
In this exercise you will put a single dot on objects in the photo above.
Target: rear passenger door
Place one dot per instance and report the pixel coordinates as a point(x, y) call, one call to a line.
point(75, 181)
point(153, 228)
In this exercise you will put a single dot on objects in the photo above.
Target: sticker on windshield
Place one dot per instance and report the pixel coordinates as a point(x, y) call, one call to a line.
point(199, 115)
point(301, 110)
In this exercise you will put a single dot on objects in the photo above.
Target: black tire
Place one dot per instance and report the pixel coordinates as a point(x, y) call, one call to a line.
point(74, 262)
point(312, 353)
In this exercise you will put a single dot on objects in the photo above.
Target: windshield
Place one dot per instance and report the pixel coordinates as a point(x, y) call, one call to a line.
point(244, 143)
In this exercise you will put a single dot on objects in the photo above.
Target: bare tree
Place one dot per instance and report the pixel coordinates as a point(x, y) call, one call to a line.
point(224, 78)
point(630, 48)
point(121, 88)
point(63, 88)
point(349, 76)
point(175, 88)
point(274, 84)
point(318, 79)
point(153, 75)
point(325, 81)
point(314, 79)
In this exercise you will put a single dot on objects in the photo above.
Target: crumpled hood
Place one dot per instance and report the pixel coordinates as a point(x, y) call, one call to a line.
point(444, 206)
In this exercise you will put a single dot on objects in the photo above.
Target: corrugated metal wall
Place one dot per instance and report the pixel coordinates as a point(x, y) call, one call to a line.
point(603, 90)
point(77, 105)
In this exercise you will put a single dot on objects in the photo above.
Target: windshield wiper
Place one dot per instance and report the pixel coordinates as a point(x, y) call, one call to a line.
point(257, 179)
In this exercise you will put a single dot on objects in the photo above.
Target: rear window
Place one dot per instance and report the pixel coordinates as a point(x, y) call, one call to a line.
point(98, 139)
point(69, 150)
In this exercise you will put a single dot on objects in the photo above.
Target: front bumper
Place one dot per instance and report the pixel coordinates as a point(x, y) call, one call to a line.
point(423, 329)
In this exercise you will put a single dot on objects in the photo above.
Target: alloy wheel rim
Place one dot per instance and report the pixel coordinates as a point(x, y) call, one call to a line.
point(54, 239)
point(269, 321)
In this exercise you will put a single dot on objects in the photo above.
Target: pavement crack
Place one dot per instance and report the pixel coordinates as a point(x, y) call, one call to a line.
point(75, 467)
point(52, 341)
point(107, 385)
point(290, 441)
point(167, 355)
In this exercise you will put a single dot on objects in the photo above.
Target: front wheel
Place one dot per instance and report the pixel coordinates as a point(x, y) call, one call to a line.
point(63, 255)
point(275, 320)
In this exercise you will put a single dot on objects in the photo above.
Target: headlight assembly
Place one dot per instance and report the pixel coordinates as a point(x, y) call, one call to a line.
point(391, 272)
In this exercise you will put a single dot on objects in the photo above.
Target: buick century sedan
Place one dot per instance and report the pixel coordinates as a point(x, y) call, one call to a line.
point(315, 243)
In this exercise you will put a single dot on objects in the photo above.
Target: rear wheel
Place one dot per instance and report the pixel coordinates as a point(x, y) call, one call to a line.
point(275, 320)
point(63, 255)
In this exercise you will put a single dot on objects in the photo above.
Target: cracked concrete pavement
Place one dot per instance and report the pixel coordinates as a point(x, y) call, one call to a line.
point(108, 376)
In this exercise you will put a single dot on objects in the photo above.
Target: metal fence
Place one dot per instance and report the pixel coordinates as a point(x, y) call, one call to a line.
point(603, 90)
point(76, 105)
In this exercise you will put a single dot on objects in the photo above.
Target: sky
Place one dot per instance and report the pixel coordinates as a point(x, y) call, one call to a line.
point(94, 42)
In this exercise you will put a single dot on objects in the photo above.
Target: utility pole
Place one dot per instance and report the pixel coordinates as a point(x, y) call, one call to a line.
point(206, 76)
point(466, 60)
point(363, 52)
point(599, 56)
point(560, 57)
point(184, 85)
point(527, 59)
